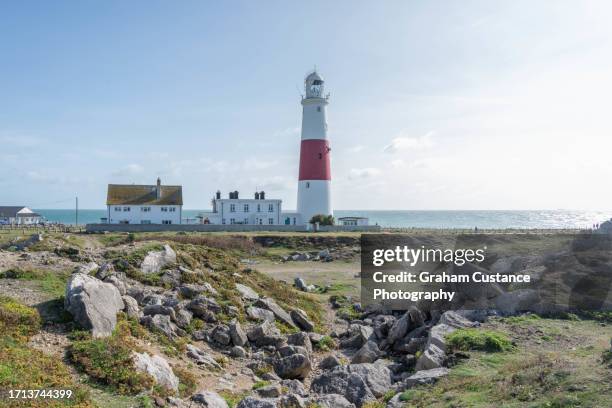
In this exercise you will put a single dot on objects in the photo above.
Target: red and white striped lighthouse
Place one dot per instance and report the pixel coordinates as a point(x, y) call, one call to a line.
point(314, 189)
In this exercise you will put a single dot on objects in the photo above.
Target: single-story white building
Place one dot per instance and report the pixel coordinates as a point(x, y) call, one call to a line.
point(18, 215)
point(144, 204)
point(247, 211)
point(353, 221)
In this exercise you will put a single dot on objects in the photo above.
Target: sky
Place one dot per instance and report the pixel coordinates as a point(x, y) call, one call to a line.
point(434, 104)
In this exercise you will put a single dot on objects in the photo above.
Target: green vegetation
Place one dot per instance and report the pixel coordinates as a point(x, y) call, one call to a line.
point(325, 344)
point(24, 367)
point(478, 339)
point(187, 381)
point(50, 282)
point(322, 219)
point(109, 360)
point(260, 384)
point(232, 398)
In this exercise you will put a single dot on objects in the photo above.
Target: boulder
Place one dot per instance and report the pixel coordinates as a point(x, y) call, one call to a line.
point(201, 357)
point(183, 317)
point(454, 319)
point(252, 402)
point(238, 336)
point(131, 307)
point(238, 352)
point(291, 401)
point(423, 377)
point(201, 306)
point(432, 357)
point(357, 391)
point(154, 261)
point(332, 401)
point(300, 339)
point(264, 334)
point(158, 368)
point(209, 399)
point(257, 313)
point(86, 269)
point(93, 303)
point(278, 311)
point(246, 292)
point(162, 323)
point(270, 391)
point(399, 328)
point(301, 320)
point(293, 366)
point(294, 387)
point(328, 362)
point(368, 353)
point(221, 335)
point(118, 283)
point(152, 310)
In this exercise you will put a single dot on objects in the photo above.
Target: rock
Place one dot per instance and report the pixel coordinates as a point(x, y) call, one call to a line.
point(246, 292)
point(86, 269)
point(437, 336)
point(315, 338)
point(201, 306)
point(116, 282)
point(291, 401)
point(153, 310)
point(270, 391)
point(399, 328)
point(161, 323)
point(286, 351)
point(158, 368)
point(257, 313)
point(357, 391)
point(201, 357)
point(300, 284)
point(454, 319)
point(368, 353)
point(377, 376)
point(328, 362)
point(264, 334)
point(301, 320)
point(332, 401)
point(209, 399)
point(238, 336)
point(432, 357)
point(520, 300)
point(278, 311)
point(252, 402)
point(107, 269)
point(93, 304)
point(293, 366)
point(271, 376)
point(154, 261)
point(294, 387)
point(183, 318)
point(238, 352)
point(300, 339)
point(131, 307)
point(221, 335)
point(395, 402)
point(423, 377)
point(358, 336)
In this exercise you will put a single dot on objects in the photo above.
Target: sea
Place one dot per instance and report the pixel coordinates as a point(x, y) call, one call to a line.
point(444, 219)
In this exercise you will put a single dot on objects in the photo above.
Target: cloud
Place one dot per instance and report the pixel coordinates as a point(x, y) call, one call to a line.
point(404, 144)
point(365, 173)
point(356, 149)
point(258, 164)
point(290, 131)
point(129, 170)
point(20, 140)
point(398, 164)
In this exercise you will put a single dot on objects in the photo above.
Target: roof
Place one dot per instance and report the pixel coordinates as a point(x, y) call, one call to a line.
point(353, 218)
point(10, 211)
point(125, 194)
point(313, 76)
point(32, 214)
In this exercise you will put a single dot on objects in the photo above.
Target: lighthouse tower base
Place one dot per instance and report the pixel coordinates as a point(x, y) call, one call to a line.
point(314, 197)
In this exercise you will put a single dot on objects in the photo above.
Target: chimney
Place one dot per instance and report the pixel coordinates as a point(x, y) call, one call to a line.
point(158, 189)
point(256, 195)
point(218, 195)
point(236, 194)
point(262, 195)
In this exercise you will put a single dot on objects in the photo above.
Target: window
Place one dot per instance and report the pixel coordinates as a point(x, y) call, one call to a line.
point(246, 221)
point(308, 184)
point(172, 209)
point(223, 221)
point(167, 222)
point(232, 208)
point(270, 207)
point(145, 209)
point(246, 208)
point(260, 221)
point(126, 209)
point(164, 209)
point(318, 109)
point(118, 209)
point(232, 221)
point(145, 221)
point(258, 207)
point(270, 221)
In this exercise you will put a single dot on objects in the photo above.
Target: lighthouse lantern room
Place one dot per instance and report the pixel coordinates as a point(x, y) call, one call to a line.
point(314, 189)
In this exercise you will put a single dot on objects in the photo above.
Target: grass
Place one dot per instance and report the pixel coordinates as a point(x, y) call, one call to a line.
point(233, 398)
point(109, 360)
point(325, 344)
point(24, 367)
point(260, 384)
point(478, 339)
point(52, 283)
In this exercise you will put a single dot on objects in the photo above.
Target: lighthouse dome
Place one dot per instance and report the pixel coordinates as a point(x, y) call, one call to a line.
point(313, 85)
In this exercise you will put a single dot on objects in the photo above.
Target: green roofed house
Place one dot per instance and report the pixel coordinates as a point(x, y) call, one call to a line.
point(144, 204)
point(18, 215)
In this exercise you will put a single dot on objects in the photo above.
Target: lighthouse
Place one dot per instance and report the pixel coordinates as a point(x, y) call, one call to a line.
point(314, 183)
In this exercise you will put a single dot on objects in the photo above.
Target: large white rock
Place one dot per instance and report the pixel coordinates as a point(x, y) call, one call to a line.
point(156, 260)
point(158, 368)
point(93, 304)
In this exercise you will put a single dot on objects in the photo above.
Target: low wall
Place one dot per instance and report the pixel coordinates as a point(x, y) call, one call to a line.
point(220, 228)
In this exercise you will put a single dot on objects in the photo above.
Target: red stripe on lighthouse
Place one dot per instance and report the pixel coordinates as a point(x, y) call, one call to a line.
point(314, 160)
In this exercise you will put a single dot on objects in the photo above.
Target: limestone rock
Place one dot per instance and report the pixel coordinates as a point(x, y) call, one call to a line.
point(154, 261)
point(209, 399)
point(278, 311)
point(131, 307)
point(293, 366)
point(368, 353)
point(301, 320)
point(158, 368)
point(246, 292)
point(93, 303)
point(257, 313)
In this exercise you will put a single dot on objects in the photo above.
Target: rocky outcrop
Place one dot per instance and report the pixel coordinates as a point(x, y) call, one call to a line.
point(238, 336)
point(293, 366)
point(93, 303)
point(158, 368)
point(301, 320)
point(246, 292)
point(154, 261)
point(278, 311)
point(209, 399)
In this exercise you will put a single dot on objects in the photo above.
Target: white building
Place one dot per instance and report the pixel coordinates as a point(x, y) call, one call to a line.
point(144, 204)
point(353, 221)
point(18, 215)
point(247, 211)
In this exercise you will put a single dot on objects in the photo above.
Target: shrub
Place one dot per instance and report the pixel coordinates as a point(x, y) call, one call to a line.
point(187, 381)
point(475, 339)
point(325, 344)
point(260, 384)
point(323, 219)
point(109, 360)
